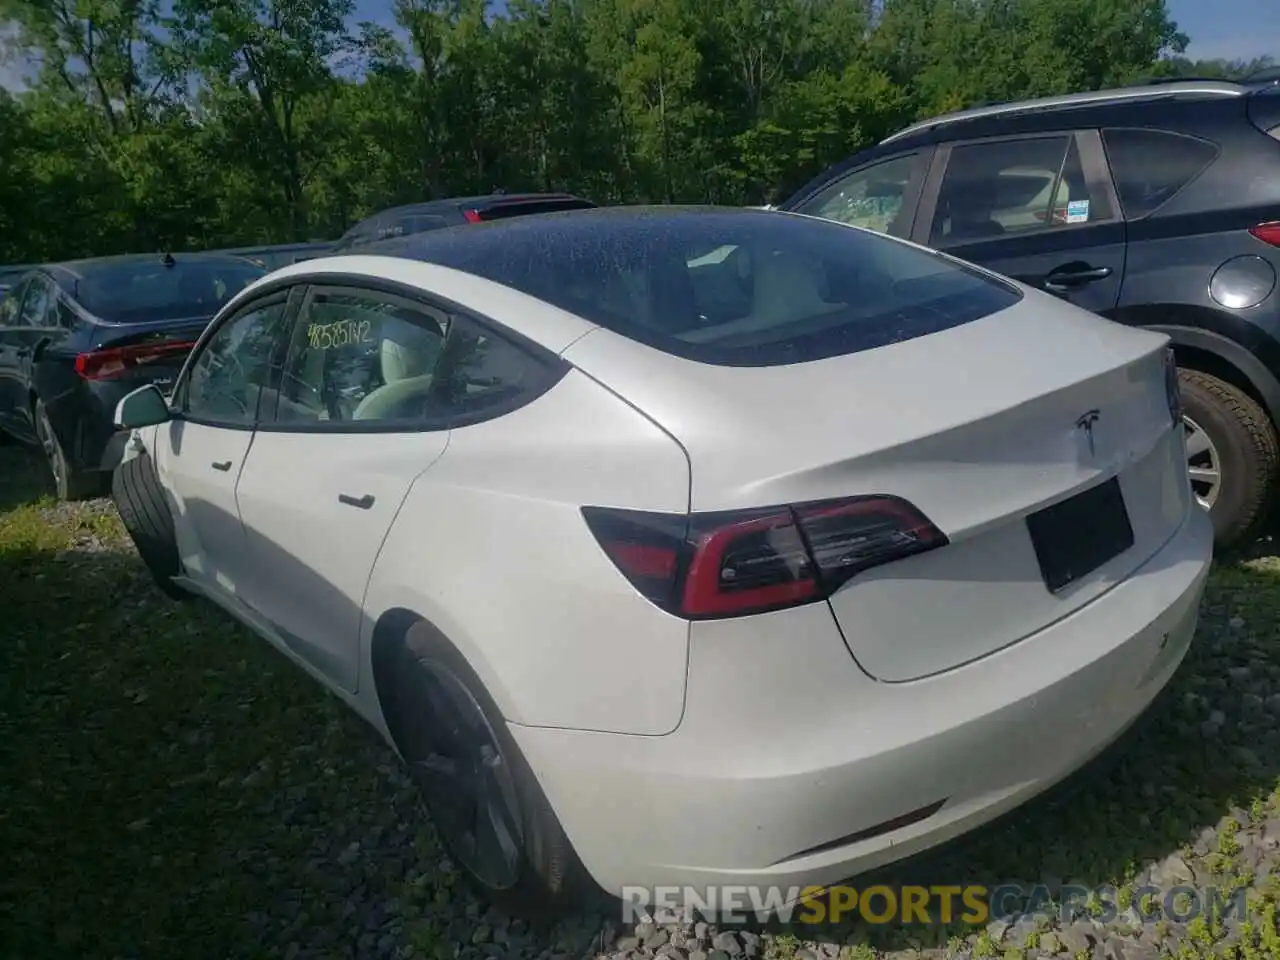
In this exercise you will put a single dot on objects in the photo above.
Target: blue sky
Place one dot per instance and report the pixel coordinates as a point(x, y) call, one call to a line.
point(1218, 28)
point(1229, 28)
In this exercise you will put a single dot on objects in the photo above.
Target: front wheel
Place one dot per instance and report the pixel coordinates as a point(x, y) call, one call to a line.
point(482, 798)
point(143, 509)
point(1232, 455)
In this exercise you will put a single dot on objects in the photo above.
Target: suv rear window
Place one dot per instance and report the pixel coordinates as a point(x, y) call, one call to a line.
point(730, 287)
point(502, 211)
point(1150, 166)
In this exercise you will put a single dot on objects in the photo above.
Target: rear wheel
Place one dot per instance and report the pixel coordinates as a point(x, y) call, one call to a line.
point(69, 483)
point(482, 798)
point(138, 497)
point(1232, 455)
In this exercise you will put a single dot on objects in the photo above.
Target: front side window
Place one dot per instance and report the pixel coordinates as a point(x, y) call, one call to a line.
point(367, 358)
point(1000, 188)
point(733, 287)
point(234, 367)
point(871, 197)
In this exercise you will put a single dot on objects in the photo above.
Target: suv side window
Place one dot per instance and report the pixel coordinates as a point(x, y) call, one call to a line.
point(1150, 166)
point(361, 358)
point(235, 366)
point(1006, 187)
point(871, 197)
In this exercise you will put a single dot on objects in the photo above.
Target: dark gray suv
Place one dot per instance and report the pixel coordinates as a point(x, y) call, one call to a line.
point(1156, 205)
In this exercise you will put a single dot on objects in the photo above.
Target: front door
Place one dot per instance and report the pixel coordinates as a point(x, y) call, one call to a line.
point(201, 452)
point(1038, 209)
point(332, 463)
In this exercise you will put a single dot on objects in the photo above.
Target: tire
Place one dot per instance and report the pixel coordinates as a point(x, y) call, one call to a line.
point(135, 488)
point(1243, 442)
point(69, 483)
point(546, 878)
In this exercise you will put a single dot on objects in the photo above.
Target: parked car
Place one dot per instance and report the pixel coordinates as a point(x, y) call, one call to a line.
point(76, 337)
point(1156, 206)
point(437, 214)
point(685, 545)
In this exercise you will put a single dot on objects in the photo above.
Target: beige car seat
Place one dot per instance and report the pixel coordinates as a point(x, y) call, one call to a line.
point(407, 367)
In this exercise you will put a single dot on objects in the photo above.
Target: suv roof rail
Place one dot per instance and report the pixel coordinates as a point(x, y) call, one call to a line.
point(1147, 91)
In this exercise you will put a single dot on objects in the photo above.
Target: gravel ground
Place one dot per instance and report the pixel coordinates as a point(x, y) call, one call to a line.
point(174, 788)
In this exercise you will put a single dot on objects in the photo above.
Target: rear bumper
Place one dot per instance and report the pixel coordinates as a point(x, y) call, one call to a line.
point(786, 746)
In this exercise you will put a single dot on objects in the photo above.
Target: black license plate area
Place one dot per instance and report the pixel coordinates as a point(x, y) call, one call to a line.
point(1077, 536)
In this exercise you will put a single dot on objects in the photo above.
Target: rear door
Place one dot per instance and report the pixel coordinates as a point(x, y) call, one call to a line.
point(1040, 209)
point(882, 195)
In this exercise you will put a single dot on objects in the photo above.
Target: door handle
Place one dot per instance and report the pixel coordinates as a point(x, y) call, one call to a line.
point(224, 466)
point(364, 503)
point(1059, 281)
point(23, 352)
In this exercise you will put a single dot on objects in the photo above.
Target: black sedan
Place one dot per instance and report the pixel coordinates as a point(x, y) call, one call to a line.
point(75, 337)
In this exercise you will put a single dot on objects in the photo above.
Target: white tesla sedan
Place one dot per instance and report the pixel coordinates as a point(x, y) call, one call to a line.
point(685, 546)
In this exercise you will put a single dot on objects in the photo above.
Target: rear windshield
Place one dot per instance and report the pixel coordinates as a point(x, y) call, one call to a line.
point(739, 287)
point(151, 292)
point(387, 226)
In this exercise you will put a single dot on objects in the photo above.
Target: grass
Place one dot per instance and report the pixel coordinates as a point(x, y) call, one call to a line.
point(170, 786)
point(145, 747)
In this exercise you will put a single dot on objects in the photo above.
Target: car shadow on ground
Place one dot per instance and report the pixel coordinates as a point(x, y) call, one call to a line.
point(24, 478)
point(172, 783)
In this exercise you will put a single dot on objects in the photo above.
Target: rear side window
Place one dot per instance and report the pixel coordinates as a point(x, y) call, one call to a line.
point(729, 287)
point(1005, 187)
point(1150, 166)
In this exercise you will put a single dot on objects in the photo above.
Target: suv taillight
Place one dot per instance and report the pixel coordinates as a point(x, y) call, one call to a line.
point(1267, 232)
point(729, 564)
point(104, 364)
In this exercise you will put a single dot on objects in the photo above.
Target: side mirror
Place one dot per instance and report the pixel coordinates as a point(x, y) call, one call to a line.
point(144, 407)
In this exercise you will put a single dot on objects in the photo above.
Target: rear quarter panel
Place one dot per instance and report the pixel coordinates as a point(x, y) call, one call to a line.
point(490, 546)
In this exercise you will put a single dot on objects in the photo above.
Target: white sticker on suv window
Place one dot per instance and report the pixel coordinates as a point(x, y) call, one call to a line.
point(1078, 211)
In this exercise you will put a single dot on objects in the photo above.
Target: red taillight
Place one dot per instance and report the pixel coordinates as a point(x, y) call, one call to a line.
point(1267, 233)
point(731, 564)
point(473, 216)
point(104, 364)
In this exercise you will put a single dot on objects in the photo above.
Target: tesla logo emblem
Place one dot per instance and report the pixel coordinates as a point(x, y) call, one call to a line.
point(1085, 423)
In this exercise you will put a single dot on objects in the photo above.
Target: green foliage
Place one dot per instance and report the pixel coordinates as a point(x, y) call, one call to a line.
point(207, 123)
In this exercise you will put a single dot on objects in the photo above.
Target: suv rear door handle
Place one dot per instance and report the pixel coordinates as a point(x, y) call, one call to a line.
point(1061, 280)
point(364, 503)
point(224, 466)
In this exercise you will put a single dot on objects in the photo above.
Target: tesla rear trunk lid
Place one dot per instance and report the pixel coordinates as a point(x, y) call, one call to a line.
point(983, 427)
